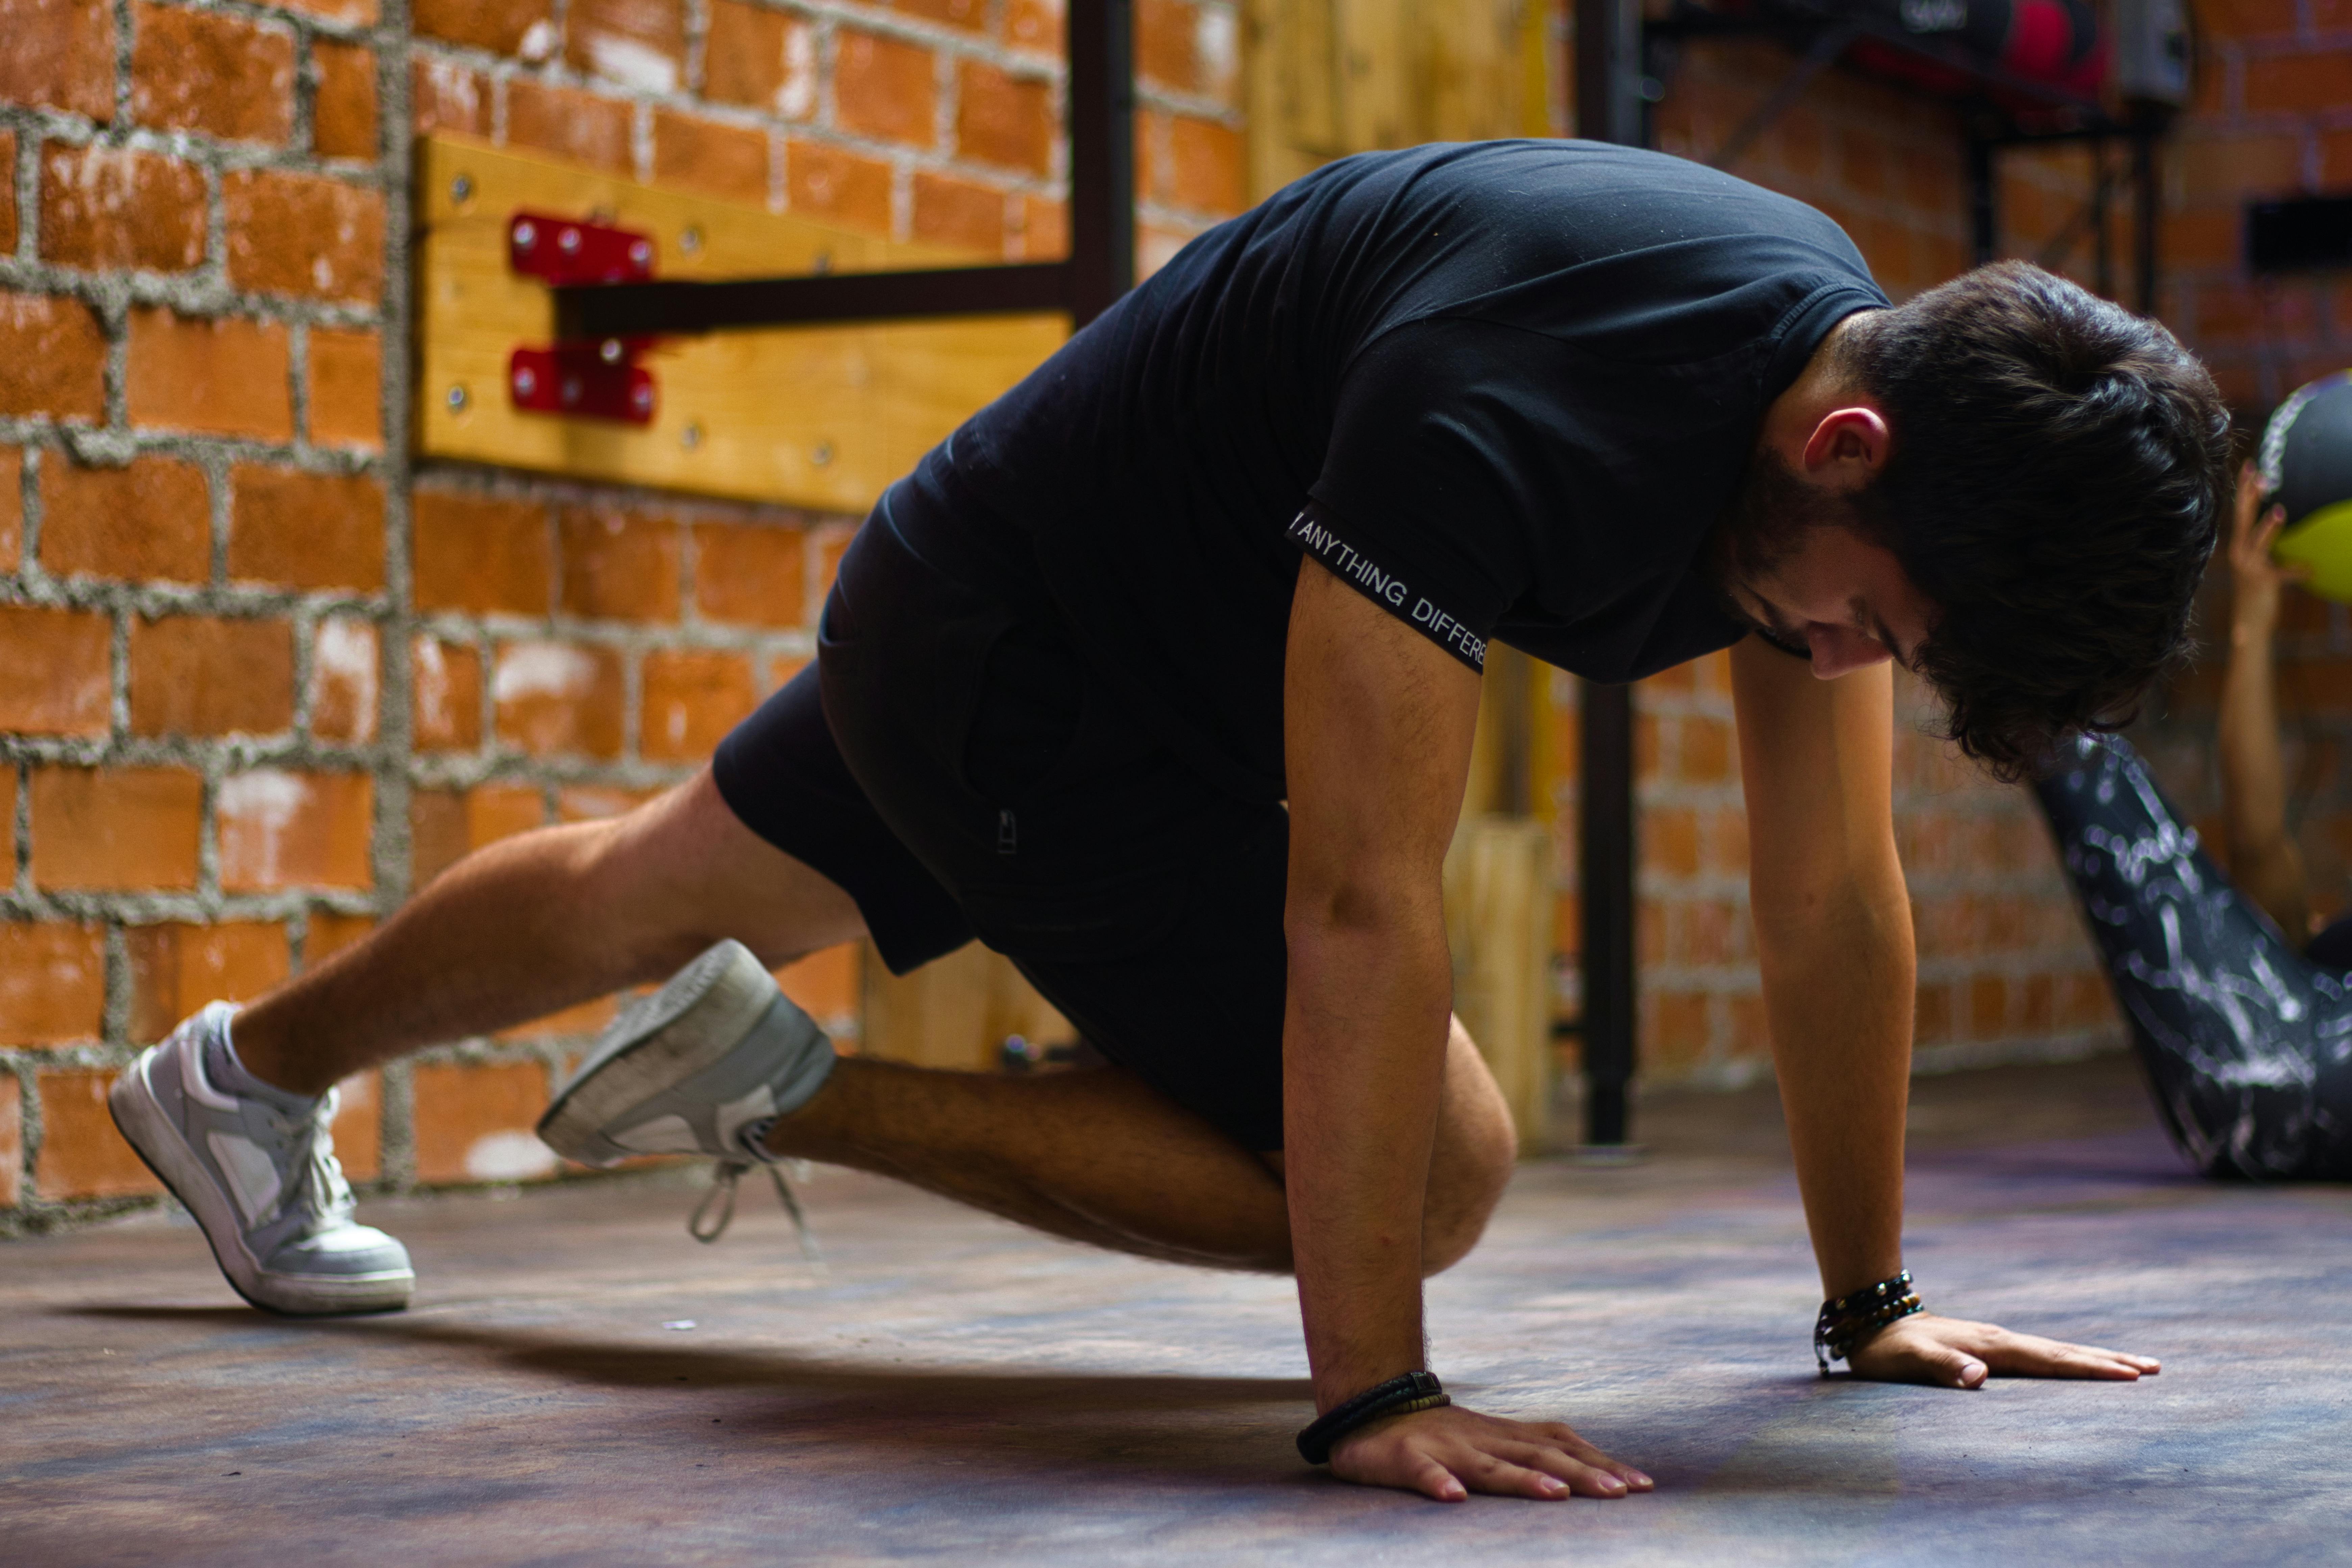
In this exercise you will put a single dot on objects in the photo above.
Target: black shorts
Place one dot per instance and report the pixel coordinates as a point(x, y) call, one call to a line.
point(955, 764)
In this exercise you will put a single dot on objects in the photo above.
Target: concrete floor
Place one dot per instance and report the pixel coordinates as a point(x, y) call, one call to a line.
point(580, 1383)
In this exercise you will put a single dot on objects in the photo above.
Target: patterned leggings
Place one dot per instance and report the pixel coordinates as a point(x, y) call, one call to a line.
point(2247, 1043)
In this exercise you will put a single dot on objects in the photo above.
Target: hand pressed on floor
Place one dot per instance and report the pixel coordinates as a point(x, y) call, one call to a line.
point(1450, 1452)
point(1953, 1352)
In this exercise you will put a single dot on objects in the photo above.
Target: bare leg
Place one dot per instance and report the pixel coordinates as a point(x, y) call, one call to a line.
point(542, 921)
point(549, 918)
point(1097, 1156)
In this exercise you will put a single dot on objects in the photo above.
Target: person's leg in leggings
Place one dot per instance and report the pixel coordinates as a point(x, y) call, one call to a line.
point(2247, 1044)
point(549, 918)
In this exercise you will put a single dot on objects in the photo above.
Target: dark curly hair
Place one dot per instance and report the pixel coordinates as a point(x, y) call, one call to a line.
point(2054, 485)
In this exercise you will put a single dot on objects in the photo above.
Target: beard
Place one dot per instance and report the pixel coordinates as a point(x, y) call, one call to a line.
point(1767, 519)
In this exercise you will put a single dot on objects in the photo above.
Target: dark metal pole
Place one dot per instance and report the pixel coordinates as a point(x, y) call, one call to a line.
point(2145, 198)
point(1608, 108)
point(1102, 155)
point(1984, 209)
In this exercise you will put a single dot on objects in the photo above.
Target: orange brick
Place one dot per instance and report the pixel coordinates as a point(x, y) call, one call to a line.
point(525, 27)
point(597, 803)
point(619, 566)
point(61, 54)
point(884, 87)
point(826, 983)
point(176, 969)
point(445, 96)
point(1678, 1030)
point(2309, 82)
point(750, 575)
point(832, 542)
point(52, 982)
point(557, 698)
point(1206, 166)
point(1004, 119)
point(1988, 1006)
point(303, 234)
point(970, 14)
point(82, 1156)
point(446, 825)
point(761, 58)
point(957, 212)
point(474, 1121)
point(482, 554)
point(330, 933)
point(201, 675)
point(305, 531)
point(280, 830)
point(210, 72)
point(152, 521)
point(12, 508)
point(570, 124)
point(60, 670)
point(12, 1144)
point(358, 1126)
point(116, 827)
point(703, 155)
point(826, 183)
point(1669, 841)
point(344, 123)
point(692, 699)
point(346, 388)
point(106, 206)
point(1044, 229)
point(641, 44)
point(219, 375)
point(1166, 47)
point(1035, 25)
point(52, 357)
point(448, 685)
point(345, 678)
point(1706, 749)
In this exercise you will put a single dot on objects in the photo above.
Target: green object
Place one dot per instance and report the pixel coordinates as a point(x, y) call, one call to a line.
point(2305, 463)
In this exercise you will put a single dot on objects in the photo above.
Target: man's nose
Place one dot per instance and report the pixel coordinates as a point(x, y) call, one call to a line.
point(1840, 650)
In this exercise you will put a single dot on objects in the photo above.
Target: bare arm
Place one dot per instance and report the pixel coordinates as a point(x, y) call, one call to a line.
point(2263, 861)
point(1834, 940)
point(1377, 726)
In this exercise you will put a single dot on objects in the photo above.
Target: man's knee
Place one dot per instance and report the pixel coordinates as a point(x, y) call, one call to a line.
point(1477, 1145)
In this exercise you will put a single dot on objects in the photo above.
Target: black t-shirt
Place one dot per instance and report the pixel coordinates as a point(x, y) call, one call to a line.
point(1505, 389)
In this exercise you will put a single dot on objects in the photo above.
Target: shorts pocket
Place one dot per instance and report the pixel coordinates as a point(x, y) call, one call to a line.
point(1089, 920)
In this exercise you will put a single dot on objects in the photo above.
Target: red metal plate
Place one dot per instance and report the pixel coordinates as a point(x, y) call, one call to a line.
point(562, 251)
point(588, 380)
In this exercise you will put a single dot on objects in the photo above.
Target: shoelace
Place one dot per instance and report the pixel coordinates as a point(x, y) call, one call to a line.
point(311, 1144)
point(700, 1225)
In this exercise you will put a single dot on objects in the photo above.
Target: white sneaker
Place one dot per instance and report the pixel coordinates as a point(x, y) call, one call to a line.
point(262, 1182)
point(704, 1066)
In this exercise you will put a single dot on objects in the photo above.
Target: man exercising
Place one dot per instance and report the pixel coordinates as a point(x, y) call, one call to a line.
point(1160, 678)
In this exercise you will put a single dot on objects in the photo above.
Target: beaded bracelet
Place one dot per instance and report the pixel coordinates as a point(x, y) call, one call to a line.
point(1397, 1397)
point(1846, 1321)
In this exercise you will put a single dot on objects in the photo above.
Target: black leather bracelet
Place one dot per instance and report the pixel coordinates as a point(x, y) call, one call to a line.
point(1846, 1321)
point(1397, 1397)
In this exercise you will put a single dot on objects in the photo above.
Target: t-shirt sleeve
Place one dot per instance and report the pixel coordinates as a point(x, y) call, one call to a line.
point(1428, 491)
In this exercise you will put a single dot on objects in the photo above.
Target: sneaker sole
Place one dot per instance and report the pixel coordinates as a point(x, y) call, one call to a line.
point(703, 1013)
point(161, 1150)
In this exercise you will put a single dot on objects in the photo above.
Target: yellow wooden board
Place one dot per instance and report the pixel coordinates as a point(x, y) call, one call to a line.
point(820, 418)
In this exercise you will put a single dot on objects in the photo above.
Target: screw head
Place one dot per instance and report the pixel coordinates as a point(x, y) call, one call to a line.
point(609, 350)
point(567, 240)
point(691, 436)
point(691, 240)
point(526, 235)
point(568, 392)
point(823, 263)
point(457, 398)
point(641, 398)
point(461, 189)
point(526, 383)
point(822, 455)
point(641, 253)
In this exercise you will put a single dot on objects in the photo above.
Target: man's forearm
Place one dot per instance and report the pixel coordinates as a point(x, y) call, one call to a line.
point(1363, 1065)
point(1839, 980)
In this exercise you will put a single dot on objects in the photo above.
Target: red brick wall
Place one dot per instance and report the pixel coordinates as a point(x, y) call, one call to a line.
point(264, 676)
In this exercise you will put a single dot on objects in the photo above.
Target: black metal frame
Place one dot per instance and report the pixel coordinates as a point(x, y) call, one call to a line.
point(1101, 265)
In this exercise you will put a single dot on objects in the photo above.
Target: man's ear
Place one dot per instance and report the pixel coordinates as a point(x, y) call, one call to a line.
point(1848, 448)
